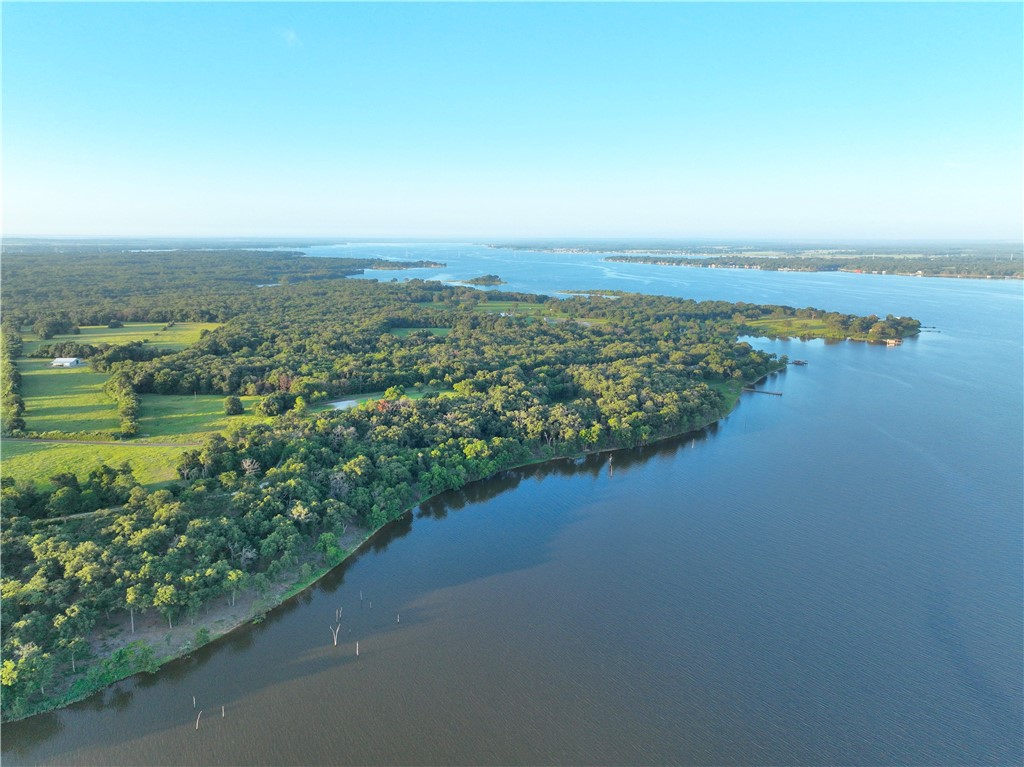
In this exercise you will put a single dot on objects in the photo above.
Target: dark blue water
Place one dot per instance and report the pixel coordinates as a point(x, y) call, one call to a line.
point(833, 576)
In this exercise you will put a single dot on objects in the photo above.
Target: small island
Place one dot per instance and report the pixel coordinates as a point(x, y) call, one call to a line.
point(486, 279)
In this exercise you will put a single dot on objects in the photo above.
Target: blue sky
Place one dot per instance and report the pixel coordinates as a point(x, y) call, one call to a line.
point(847, 121)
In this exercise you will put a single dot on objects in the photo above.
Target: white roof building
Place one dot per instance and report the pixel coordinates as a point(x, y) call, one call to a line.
point(66, 362)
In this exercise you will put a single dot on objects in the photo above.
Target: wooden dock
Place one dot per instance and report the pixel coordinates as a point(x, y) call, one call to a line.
point(763, 391)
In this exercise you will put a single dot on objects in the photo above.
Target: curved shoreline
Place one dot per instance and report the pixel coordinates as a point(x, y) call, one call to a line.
point(360, 537)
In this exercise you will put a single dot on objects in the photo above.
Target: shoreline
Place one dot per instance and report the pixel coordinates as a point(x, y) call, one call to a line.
point(282, 591)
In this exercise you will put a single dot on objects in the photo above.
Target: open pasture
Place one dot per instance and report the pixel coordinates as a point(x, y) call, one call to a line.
point(790, 326)
point(187, 418)
point(39, 461)
point(65, 399)
point(519, 308)
point(176, 337)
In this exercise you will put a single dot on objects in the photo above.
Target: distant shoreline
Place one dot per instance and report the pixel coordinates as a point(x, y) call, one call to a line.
point(1001, 264)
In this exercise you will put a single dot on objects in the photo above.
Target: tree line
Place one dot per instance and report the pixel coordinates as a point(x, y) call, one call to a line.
point(929, 266)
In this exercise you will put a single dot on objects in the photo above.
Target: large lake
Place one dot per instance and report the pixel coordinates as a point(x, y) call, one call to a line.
point(833, 576)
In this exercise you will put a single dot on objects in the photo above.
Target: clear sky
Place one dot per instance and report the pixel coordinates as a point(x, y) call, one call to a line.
point(806, 120)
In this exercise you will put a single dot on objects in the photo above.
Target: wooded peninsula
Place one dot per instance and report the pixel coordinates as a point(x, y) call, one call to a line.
point(272, 487)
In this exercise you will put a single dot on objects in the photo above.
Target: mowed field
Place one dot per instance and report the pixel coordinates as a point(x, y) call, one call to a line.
point(39, 461)
point(520, 308)
point(188, 419)
point(789, 326)
point(168, 425)
point(65, 399)
point(177, 337)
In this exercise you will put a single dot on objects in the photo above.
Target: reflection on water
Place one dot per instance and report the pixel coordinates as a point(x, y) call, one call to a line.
point(830, 576)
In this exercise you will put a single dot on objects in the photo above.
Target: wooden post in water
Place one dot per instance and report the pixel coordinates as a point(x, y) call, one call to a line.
point(193, 701)
point(197, 720)
point(357, 649)
point(398, 618)
point(222, 712)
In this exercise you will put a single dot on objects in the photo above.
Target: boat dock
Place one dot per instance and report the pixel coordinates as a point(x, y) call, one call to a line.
point(763, 391)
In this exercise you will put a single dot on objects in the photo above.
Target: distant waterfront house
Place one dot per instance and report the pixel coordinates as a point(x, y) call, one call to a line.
point(66, 362)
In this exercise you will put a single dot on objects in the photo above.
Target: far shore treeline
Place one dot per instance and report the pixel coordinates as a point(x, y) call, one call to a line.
point(978, 260)
point(512, 379)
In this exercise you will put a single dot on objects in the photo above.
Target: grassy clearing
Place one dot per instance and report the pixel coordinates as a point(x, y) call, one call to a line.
point(537, 311)
point(519, 308)
point(65, 399)
point(406, 332)
point(730, 391)
point(799, 327)
point(184, 418)
point(791, 326)
point(162, 419)
point(179, 336)
point(153, 466)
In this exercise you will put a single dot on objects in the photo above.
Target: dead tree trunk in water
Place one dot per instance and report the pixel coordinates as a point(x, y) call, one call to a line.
point(334, 633)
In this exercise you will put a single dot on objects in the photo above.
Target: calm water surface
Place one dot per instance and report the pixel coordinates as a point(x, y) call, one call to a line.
point(829, 577)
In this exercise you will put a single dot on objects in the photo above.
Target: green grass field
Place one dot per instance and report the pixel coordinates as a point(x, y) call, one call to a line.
point(537, 311)
point(40, 460)
point(519, 308)
point(791, 326)
point(184, 418)
point(152, 333)
point(406, 332)
point(65, 399)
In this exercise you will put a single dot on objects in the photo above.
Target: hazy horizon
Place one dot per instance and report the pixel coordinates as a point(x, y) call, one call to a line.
point(299, 239)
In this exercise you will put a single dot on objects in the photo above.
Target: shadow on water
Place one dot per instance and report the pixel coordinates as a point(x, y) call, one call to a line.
point(23, 739)
point(43, 727)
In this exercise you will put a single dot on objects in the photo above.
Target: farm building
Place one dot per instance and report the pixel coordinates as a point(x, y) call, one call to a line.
point(66, 362)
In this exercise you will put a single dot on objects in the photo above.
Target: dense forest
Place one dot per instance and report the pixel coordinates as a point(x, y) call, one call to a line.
point(495, 390)
point(96, 286)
